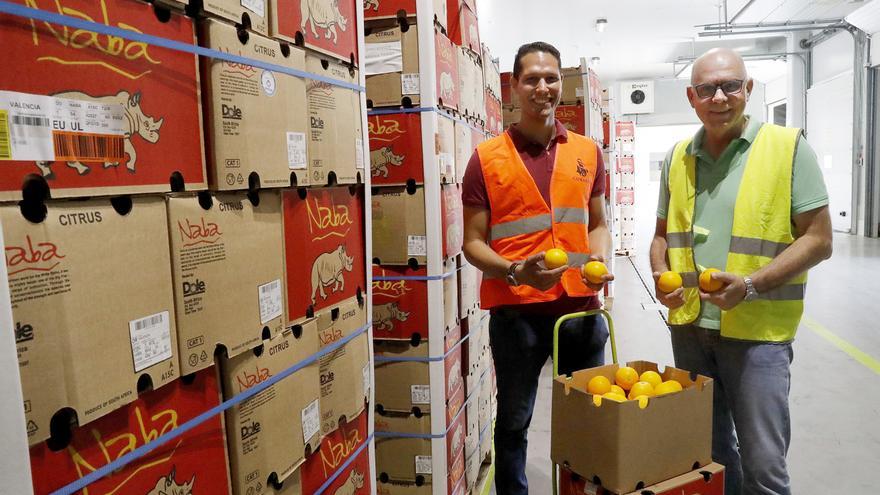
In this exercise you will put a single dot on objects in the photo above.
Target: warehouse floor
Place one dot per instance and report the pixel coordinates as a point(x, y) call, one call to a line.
point(835, 397)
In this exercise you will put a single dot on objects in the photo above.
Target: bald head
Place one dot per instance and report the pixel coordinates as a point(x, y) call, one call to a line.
point(718, 60)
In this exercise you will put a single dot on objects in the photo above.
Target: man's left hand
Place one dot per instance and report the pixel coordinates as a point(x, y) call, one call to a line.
point(730, 295)
point(608, 277)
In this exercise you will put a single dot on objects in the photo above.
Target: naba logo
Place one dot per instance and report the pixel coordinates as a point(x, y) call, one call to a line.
point(582, 170)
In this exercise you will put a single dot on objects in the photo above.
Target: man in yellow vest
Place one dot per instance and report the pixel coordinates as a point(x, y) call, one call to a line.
point(747, 198)
point(537, 186)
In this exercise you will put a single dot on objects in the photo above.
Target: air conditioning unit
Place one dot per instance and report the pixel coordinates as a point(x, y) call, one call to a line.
point(636, 97)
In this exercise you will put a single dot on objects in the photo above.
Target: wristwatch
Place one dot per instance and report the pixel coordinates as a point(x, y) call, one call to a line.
point(511, 274)
point(751, 293)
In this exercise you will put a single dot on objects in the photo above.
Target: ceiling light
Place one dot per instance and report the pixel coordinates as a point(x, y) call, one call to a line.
point(601, 23)
point(594, 62)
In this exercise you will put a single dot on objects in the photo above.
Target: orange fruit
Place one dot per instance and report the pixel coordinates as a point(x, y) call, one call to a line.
point(614, 397)
point(651, 377)
point(554, 258)
point(709, 284)
point(626, 377)
point(667, 387)
point(641, 388)
point(594, 270)
point(615, 389)
point(599, 385)
point(669, 282)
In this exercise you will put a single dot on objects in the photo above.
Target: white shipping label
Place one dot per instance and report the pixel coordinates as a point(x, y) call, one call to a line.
point(296, 150)
point(359, 153)
point(417, 245)
point(420, 394)
point(447, 164)
point(311, 421)
point(256, 6)
point(366, 376)
point(409, 84)
point(384, 58)
point(150, 340)
point(270, 301)
point(424, 464)
point(579, 92)
point(46, 128)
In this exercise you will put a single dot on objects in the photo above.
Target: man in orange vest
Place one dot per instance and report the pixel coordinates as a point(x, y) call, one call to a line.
point(537, 186)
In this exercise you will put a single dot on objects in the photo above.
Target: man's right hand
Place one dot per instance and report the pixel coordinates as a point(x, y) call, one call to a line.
point(531, 273)
point(672, 299)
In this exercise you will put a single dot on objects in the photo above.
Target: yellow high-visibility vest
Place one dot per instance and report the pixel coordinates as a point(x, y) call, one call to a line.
point(762, 228)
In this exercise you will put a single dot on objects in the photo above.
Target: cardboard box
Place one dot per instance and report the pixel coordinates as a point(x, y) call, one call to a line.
point(463, 150)
point(345, 372)
point(416, 421)
point(271, 433)
point(226, 255)
point(402, 9)
point(509, 98)
point(472, 419)
point(448, 89)
point(406, 385)
point(399, 236)
point(468, 289)
point(494, 117)
point(666, 438)
point(336, 144)
point(406, 488)
point(326, 26)
point(396, 149)
point(323, 248)
point(453, 219)
point(147, 133)
point(470, 85)
point(477, 137)
point(336, 449)
point(491, 74)
point(572, 117)
point(250, 143)
point(462, 25)
point(79, 320)
point(251, 14)
point(707, 480)
point(193, 463)
point(400, 307)
point(392, 65)
point(510, 115)
point(444, 142)
point(410, 459)
point(572, 86)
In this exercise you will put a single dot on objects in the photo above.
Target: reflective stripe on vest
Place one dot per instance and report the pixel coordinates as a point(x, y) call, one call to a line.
point(522, 224)
point(762, 229)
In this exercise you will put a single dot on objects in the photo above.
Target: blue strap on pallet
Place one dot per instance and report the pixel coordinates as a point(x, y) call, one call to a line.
point(435, 359)
point(391, 111)
point(41, 15)
point(394, 278)
point(201, 418)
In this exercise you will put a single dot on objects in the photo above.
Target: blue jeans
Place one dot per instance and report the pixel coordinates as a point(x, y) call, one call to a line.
point(751, 426)
point(520, 346)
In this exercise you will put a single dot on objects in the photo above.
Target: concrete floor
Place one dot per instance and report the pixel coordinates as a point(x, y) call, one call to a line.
point(835, 399)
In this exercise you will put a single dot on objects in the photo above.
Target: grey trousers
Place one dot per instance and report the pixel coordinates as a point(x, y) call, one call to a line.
point(751, 426)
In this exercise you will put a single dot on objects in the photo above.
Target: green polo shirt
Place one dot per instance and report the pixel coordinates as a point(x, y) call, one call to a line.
point(717, 187)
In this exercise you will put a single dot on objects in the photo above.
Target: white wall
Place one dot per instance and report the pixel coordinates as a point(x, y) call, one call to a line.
point(833, 57)
point(776, 90)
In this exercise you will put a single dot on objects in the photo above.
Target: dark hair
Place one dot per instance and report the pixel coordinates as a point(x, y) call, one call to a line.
point(536, 46)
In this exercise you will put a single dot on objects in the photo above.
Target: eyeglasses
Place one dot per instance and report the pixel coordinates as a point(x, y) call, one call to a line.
point(728, 87)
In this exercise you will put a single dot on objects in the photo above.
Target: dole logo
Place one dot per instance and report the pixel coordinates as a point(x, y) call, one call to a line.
point(90, 43)
point(196, 233)
point(326, 221)
point(194, 288)
point(249, 430)
point(23, 333)
point(42, 257)
point(247, 380)
point(231, 112)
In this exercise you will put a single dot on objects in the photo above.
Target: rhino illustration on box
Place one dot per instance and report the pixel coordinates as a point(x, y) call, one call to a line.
point(167, 485)
point(456, 439)
point(454, 376)
point(351, 486)
point(380, 160)
point(320, 15)
point(137, 123)
point(371, 4)
point(328, 270)
point(384, 316)
point(447, 86)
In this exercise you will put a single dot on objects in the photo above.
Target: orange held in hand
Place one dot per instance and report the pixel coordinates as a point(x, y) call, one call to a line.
point(594, 270)
point(626, 377)
point(709, 284)
point(669, 282)
point(554, 258)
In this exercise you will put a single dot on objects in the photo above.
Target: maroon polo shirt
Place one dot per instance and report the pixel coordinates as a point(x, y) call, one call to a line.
point(539, 162)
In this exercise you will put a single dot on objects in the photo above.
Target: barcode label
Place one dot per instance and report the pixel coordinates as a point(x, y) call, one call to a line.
point(417, 245)
point(424, 464)
point(5, 151)
point(270, 301)
point(256, 6)
point(296, 150)
point(311, 421)
point(73, 146)
point(359, 153)
point(420, 394)
point(150, 340)
point(32, 121)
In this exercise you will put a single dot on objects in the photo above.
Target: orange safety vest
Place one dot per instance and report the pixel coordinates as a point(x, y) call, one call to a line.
point(522, 224)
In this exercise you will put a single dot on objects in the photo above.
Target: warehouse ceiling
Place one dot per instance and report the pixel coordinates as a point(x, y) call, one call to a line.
point(643, 39)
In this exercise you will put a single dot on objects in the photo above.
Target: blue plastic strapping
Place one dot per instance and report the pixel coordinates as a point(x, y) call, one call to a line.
point(391, 111)
point(391, 359)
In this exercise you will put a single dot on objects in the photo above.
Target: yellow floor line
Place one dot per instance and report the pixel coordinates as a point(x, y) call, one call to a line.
point(853, 351)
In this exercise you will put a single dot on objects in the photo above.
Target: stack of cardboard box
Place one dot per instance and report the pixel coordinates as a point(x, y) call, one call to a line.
point(236, 274)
